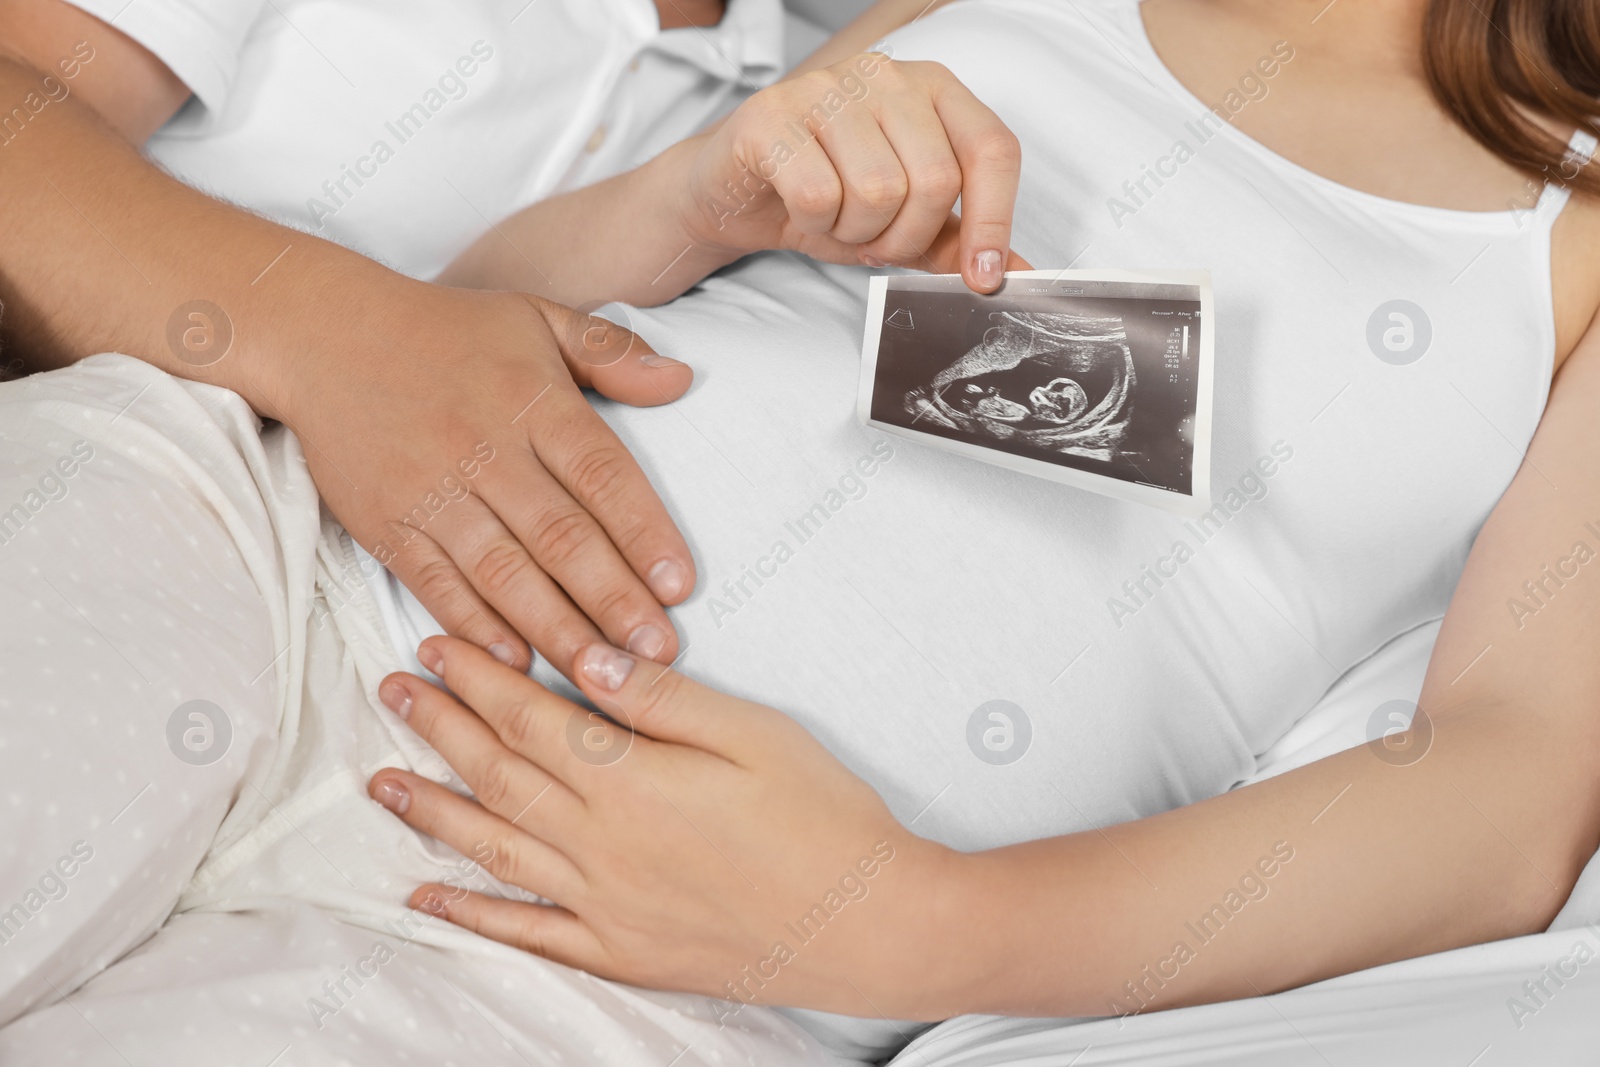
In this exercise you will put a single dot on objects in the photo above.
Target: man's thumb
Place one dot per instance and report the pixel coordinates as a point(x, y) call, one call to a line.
point(613, 360)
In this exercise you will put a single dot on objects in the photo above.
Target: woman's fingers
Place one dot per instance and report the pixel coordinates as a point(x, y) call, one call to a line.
point(991, 166)
point(872, 176)
point(905, 151)
point(516, 713)
point(922, 146)
point(807, 182)
point(662, 704)
point(506, 775)
point(944, 254)
point(500, 845)
point(544, 930)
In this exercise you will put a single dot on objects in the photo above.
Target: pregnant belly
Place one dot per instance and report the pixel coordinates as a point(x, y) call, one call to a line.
point(945, 627)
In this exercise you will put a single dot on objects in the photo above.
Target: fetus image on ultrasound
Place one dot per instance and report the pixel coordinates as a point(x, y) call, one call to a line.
point(1099, 380)
point(1059, 381)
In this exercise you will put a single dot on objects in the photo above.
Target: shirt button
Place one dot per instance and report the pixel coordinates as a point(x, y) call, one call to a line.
point(633, 64)
point(596, 139)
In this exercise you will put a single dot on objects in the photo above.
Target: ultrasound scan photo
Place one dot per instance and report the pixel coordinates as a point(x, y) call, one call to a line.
point(1095, 379)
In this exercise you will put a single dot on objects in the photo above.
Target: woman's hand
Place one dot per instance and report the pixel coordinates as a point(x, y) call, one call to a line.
point(862, 162)
point(859, 162)
point(715, 848)
point(452, 440)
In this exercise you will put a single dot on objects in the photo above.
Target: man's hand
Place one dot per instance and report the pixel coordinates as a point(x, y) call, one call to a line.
point(718, 849)
point(444, 428)
point(456, 446)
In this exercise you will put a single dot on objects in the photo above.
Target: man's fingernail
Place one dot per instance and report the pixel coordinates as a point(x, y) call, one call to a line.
point(502, 652)
point(988, 267)
point(647, 641)
point(651, 359)
point(873, 262)
point(606, 667)
point(392, 795)
point(397, 698)
point(667, 579)
point(429, 657)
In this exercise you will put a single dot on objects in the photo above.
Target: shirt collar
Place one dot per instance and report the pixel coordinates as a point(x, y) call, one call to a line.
point(746, 46)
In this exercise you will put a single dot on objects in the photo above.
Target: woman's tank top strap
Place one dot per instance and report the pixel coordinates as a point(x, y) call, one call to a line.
point(1580, 153)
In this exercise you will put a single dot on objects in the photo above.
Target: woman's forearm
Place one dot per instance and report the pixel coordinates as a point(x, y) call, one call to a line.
point(1472, 825)
point(620, 239)
point(1350, 862)
point(866, 30)
point(625, 238)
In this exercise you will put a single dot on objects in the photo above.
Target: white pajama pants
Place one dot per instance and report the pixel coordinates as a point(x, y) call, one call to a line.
point(191, 871)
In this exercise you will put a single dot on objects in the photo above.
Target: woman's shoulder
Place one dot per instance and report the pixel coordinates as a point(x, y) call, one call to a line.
point(1575, 272)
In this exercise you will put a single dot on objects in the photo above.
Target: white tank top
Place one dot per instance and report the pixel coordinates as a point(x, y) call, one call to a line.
point(1006, 658)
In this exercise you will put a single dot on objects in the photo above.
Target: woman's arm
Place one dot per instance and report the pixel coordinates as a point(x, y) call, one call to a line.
point(692, 862)
point(858, 162)
point(866, 30)
point(1472, 826)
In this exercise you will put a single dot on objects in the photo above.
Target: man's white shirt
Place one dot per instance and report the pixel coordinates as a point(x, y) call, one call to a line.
point(405, 128)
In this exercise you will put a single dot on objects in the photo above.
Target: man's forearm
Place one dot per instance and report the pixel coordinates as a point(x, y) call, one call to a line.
point(101, 251)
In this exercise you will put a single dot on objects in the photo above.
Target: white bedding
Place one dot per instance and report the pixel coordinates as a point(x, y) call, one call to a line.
point(273, 957)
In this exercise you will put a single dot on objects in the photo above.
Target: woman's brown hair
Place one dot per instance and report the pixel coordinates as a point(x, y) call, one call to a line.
point(1495, 63)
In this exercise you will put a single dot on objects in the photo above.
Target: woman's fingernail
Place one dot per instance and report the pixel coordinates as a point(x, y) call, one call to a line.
point(873, 262)
point(606, 667)
point(651, 359)
point(667, 579)
point(433, 904)
point(502, 652)
point(397, 698)
point(429, 657)
point(988, 267)
point(647, 641)
point(392, 795)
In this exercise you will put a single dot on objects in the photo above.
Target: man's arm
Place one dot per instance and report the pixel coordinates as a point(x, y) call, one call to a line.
point(131, 89)
point(397, 389)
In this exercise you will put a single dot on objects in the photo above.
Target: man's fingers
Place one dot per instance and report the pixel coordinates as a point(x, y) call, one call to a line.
point(991, 166)
point(428, 571)
point(613, 360)
point(503, 569)
point(594, 466)
point(544, 930)
point(508, 851)
point(567, 539)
